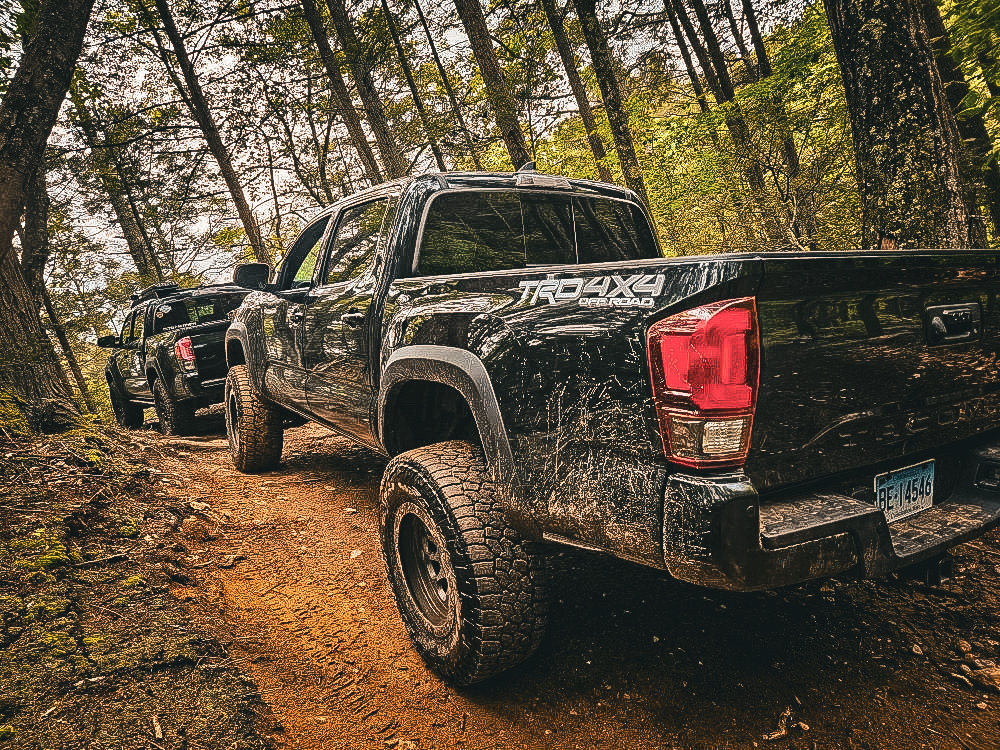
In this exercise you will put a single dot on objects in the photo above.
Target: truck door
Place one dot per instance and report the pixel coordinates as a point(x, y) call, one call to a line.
point(131, 357)
point(339, 384)
point(284, 315)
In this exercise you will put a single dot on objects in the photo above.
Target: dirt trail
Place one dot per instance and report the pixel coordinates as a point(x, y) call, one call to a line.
point(293, 580)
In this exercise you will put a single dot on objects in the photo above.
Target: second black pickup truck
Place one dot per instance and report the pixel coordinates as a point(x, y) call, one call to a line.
point(170, 354)
point(540, 374)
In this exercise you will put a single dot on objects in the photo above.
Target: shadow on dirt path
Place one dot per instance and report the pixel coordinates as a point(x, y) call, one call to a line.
point(294, 584)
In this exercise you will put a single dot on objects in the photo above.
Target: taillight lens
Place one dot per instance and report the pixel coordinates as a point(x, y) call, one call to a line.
point(184, 352)
point(705, 364)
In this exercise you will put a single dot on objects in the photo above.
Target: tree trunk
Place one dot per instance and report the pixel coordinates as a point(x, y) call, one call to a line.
point(677, 11)
point(28, 364)
point(456, 110)
point(699, 91)
point(497, 89)
point(194, 97)
point(727, 11)
point(576, 85)
point(417, 100)
point(104, 164)
point(906, 141)
point(604, 70)
point(711, 39)
point(971, 127)
point(74, 364)
point(35, 236)
point(361, 70)
point(340, 92)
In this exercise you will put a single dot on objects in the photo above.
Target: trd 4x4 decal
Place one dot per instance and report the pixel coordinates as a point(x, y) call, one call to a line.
point(638, 290)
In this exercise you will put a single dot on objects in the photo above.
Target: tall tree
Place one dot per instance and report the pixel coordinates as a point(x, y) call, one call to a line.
point(906, 141)
point(565, 49)
point(607, 80)
point(194, 97)
point(971, 125)
point(361, 65)
point(449, 89)
point(28, 112)
point(105, 164)
point(404, 63)
point(339, 87)
point(498, 90)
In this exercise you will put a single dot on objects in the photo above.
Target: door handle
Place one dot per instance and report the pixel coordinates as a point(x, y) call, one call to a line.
point(353, 317)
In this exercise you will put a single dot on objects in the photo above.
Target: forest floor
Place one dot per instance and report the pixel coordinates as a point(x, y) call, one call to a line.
point(281, 574)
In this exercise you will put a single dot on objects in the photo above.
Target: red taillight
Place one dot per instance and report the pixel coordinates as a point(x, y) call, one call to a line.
point(184, 351)
point(704, 365)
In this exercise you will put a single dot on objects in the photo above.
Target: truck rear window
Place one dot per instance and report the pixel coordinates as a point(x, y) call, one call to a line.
point(195, 311)
point(470, 231)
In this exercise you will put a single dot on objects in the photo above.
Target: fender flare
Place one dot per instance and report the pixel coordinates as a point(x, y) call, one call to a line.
point(465, 372)
point(239, 333)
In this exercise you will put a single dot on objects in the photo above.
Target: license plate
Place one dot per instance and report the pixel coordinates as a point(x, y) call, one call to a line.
point(903, 492)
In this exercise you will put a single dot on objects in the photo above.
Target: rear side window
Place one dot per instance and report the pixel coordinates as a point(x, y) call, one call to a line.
point(611, 230)
point(471, 231)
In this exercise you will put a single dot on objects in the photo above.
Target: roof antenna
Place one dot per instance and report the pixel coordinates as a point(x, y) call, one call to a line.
point(527, 167)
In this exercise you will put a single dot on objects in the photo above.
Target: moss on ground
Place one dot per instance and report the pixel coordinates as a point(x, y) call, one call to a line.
point(93, 645)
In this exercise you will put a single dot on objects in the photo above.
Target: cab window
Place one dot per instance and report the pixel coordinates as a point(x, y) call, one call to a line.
point(355, 241)
point(300, 262)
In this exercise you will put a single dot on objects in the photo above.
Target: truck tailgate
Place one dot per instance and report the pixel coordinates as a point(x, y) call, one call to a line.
point(872, 360)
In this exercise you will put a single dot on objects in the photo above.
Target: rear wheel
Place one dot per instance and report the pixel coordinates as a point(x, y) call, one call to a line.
point(254, 427)
point(467, 586)
point(126, 413)
point(176, 417)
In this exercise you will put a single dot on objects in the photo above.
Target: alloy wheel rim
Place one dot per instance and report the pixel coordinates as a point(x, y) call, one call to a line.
point(426, 567)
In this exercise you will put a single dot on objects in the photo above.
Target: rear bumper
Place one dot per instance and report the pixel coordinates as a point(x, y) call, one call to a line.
point(191, 386)
point(717, 532)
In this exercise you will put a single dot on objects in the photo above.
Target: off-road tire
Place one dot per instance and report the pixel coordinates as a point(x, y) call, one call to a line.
point(126, 413)
point(467, 586)
point(176, 417)
point(254, 427)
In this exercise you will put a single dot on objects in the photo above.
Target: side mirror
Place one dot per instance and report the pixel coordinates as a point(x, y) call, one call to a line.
point(252, 275)
point(107, 342)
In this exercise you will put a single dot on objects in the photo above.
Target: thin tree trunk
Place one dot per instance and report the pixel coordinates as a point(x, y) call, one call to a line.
point(971, 127)
point(361, 70)
point(576, 85)
point(74, 364)
point(498, 91)
point(339, 87)
point(704, 61)
point(104, 164)
point(906, 141)
point(28, 365)
point(456, 110)
point(194, 97)
point(417, 100)
point(607, 79)
point(711, 39)
point(727, 10)
point(699, 90)
point(35, 236)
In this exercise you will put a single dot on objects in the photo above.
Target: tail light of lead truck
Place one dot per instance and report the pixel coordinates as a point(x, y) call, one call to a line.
point(705, 366)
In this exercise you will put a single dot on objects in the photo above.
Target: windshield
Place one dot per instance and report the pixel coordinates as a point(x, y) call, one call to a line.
point(195, 311)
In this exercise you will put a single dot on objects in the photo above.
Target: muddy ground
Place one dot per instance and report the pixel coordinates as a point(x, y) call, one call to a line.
point(283, 572)
point(297, 592)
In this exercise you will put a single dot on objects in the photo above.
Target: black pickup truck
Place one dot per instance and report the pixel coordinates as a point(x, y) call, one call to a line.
point(170, 354)
point(540, 374)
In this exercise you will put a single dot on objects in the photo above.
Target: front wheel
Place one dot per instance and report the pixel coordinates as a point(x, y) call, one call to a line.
point(126, 413)
point(466, 584)
point(254, 427)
